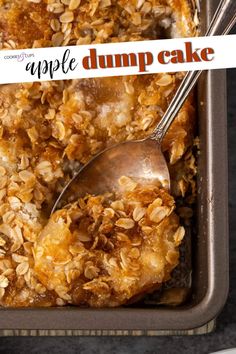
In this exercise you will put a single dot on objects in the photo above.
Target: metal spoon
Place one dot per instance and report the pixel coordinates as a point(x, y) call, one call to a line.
point(141, 159)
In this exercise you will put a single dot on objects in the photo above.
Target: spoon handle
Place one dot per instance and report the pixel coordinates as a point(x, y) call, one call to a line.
point(221, 24)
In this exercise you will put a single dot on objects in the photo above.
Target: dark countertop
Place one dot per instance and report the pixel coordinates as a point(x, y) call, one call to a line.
point(225, 334)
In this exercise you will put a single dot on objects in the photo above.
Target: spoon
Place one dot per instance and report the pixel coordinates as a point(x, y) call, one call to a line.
point(141, 159)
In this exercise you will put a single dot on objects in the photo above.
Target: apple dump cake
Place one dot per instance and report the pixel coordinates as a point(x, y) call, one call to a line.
point(104, 250)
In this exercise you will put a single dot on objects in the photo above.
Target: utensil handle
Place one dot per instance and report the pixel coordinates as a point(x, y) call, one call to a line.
point(221, 24)
point(223, 19)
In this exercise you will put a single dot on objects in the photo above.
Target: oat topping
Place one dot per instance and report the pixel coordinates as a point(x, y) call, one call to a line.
point(117, 246)
point(92, 254)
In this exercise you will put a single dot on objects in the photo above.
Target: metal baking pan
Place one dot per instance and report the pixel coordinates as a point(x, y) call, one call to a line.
point(210, 246)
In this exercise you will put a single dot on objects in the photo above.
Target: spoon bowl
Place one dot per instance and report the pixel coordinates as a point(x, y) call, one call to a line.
point(142, 160)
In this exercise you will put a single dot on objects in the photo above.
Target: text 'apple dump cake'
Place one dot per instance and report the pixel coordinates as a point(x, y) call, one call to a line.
point(105, 250)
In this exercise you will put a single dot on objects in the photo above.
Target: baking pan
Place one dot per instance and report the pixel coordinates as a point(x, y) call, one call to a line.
point(210, 246)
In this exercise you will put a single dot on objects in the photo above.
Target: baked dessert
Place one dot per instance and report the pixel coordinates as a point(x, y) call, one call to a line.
point(48, 129)
point(105, 250)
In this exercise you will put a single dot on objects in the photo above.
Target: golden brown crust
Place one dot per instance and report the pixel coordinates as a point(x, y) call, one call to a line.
point(25, 22)
point(41, 23)
point(106, 250)
point(48, 127)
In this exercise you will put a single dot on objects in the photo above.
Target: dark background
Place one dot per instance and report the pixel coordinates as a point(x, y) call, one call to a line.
point(225, 334)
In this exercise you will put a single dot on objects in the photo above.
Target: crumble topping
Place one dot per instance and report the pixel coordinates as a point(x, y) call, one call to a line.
point(105, 250)
point(48, 129)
